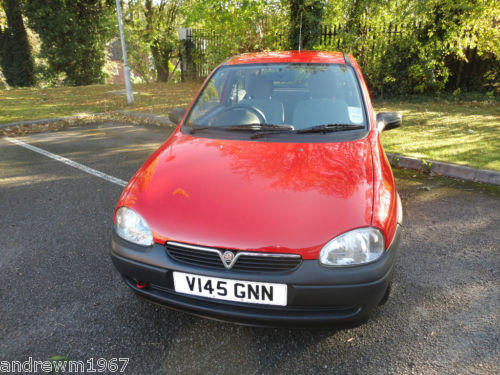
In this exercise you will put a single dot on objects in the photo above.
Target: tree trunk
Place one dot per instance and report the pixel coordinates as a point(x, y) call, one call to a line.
point(16, 59)
point(160, 59)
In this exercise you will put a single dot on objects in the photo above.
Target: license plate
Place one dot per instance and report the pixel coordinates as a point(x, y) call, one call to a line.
point(230, 290)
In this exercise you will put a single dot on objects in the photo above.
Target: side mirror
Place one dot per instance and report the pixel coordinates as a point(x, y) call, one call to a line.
point(176, 115)
point(388, 120)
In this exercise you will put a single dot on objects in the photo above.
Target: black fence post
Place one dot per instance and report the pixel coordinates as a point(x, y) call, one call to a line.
point(186, 56)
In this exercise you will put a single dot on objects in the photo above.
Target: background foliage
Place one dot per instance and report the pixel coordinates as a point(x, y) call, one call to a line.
point(73, 35)
point(437, 39)
point(403, 46)
point(225, 28)
point(305, 21)
point(151, 28)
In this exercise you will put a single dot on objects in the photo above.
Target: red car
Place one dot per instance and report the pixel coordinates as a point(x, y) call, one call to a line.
point(272, 203)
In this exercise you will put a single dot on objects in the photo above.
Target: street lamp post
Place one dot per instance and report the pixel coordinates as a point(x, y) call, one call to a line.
point(126, 69)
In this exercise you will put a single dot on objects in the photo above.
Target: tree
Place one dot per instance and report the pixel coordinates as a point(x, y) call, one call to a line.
point(305, 21)
point(73, 35)
point(151, 31)
point(439, 44)
point(454, 29)
point(163, 41)
point(15, 52)
point(228, 27)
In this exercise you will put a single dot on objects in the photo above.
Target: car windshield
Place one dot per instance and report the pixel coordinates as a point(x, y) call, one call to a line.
point(280, 97)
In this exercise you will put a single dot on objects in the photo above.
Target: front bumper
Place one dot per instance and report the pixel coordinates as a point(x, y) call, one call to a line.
point(317, 296)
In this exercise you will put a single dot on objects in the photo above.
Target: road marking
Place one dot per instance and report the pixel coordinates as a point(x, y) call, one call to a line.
point(69, 162)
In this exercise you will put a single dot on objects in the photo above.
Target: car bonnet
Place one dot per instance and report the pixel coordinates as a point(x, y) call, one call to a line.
point(254, 196)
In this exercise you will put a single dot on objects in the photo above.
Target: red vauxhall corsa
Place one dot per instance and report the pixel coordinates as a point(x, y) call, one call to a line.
point(272, 203)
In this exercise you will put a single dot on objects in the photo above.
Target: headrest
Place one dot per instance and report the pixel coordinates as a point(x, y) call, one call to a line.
point(259, 88)
point(322, 85)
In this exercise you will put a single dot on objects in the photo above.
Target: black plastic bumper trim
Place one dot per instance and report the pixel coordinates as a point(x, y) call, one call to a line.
point(317, 296)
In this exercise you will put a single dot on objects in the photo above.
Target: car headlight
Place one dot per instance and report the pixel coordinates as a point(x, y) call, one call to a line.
point(358, 246)
point(130, 226)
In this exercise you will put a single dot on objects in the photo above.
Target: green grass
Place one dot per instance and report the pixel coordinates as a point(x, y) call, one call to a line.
point(460, 132)
point(463, 132)
point(34, 103)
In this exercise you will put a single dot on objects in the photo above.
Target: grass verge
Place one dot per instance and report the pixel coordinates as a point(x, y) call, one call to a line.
point(459, 132)
point(34, 103)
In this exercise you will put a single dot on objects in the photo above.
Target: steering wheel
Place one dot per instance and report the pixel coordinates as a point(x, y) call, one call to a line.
point(244, 111)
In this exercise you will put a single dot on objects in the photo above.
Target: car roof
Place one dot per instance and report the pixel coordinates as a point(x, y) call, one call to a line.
point(288, 57)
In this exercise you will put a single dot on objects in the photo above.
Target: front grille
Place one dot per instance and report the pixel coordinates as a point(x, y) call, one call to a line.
point(194, 257)
point(209, 258)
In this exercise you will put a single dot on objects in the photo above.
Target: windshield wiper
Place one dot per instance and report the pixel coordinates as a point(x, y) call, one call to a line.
point(200, 128)
point(260, 127)
point(262, 130)
point(246, 127)
point(329, 128)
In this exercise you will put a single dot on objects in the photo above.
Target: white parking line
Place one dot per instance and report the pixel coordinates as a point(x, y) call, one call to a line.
point(67, 161)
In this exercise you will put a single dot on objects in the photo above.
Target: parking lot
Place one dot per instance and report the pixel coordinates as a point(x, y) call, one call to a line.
point(60, 294)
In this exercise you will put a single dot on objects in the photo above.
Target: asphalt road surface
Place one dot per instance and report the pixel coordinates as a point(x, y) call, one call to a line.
point(60, 294)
